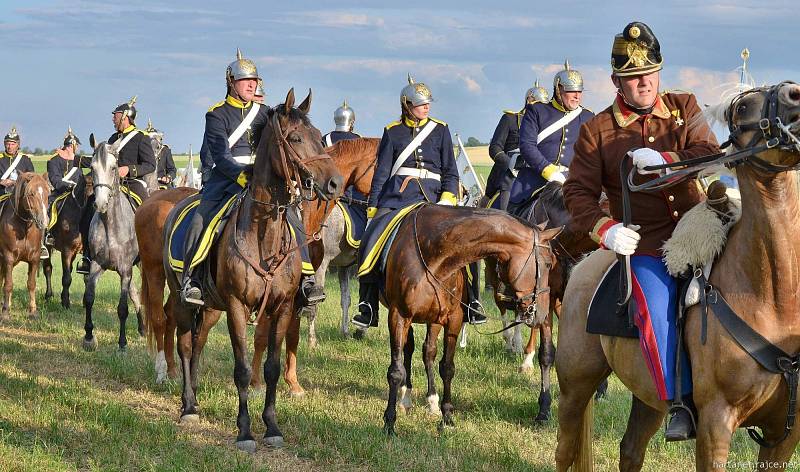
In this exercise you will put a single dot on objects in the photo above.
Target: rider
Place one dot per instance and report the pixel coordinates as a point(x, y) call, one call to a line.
point(652, 129)
point(258, 96)
point(547, 135)
point(428, 174)
point(233, 129)
point(63, 169)
point(505, 141)
point(345, 119)
point(12, 162)
point(165, 167)
point(135, 159)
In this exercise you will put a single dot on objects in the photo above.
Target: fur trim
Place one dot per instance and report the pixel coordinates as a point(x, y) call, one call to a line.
point(698, 238)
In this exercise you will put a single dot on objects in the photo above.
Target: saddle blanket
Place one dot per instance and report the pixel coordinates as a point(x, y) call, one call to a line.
point(605, 316)
point(380, 232)
point(177, 234)
point(55, 207)
point(355, 221)
point(4, 197)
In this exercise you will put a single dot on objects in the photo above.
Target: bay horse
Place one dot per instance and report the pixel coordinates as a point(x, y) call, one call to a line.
point(67, 237)
point(425, 283)
point(256, 264)
point(23, 219)
point(112, 243)
point(756, 274)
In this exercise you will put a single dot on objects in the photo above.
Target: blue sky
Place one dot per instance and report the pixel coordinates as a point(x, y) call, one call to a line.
point(70, 62)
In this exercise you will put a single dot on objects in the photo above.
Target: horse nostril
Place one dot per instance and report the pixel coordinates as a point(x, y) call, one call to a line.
point(794, 93)
point(333, 185)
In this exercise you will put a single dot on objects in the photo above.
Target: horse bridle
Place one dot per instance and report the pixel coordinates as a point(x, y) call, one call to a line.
point(27, 196)
point(289, 154)
point(527, 303)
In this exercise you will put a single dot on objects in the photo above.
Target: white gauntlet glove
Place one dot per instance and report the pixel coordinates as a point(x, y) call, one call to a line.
point(622, 240)
point(644, 157)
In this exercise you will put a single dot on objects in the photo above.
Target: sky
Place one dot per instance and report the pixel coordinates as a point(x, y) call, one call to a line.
point(71, 62)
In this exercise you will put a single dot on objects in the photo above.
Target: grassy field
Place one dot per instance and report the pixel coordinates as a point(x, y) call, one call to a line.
point(65, 409)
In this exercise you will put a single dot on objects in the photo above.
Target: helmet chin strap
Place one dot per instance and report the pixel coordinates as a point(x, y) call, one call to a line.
point(634, 108)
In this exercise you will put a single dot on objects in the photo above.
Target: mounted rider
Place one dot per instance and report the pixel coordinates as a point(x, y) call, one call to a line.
point(344, 118)
point(165, 165)
point(233, 130)
point(12, 161)
point(415, 164)
point(547, 134)
point(64, 170)
point(504, 148)
point(651, 129)
point(135, 160)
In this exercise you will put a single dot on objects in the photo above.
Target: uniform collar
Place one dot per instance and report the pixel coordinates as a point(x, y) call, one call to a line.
point(413, 124)
point(5, 154)
point(624, 116)
point(559, 107)
point(128, 129)
point(236, 103)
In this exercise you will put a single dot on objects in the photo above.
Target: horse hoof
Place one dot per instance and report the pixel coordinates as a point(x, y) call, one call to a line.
point(389, 431)
point(296, 394)
point(90, 345)
point(274, 441)
point(312, 344)
point(541, 419)
point(525, 369)
point(33, 315)
point(248, 446)
point(122, 350)
point(191, 418)
point(359, 334)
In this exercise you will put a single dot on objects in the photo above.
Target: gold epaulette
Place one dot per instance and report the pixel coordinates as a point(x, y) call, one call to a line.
point(392, 124)
point(510, 112)
point(216, 105)
point(438, 121)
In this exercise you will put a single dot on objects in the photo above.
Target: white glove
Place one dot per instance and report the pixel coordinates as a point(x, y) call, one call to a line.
point(622, 240)
point(369, 220)
point(559, 177)
point(445, 203)
point(644, 157)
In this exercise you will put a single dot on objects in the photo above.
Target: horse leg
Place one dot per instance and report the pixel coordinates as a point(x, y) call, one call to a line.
point(398, 330)
point(429, 357)
point(716, 422)
point(95, 271)
point(778, 457)
point(137, 303)
point(189, 410)
point(260, 339)
point(547, 354)
point(207, 319)
point(643, 422)
point(237, 314)
point(169, 335)
point(67, 257)
point(292, 342)
point(345, 275)
point(47, 269)
point(33, 267)
point(447, 370)
point(8, 285)
point(406, 389)
point(284, 319)
point(530, 351)
point(122, 307)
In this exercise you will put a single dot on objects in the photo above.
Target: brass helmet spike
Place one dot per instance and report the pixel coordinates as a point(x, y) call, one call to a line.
point(410, 79)
point(566, 64)
point(344, 103)
point(238, 54)
point(133, 101)
point(12, 135)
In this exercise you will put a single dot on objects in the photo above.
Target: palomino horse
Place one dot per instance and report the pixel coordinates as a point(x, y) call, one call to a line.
point(112, 242)
point(23, 218)
point(756, 274)
point(336, 251)
point(67, 237)
point(425, 283)
point(256, 264)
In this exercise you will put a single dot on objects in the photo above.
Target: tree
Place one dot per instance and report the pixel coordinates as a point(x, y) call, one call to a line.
point(473, 142)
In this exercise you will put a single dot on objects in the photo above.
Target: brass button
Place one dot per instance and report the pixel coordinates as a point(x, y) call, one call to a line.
point(672, 198)
point(651, 139)
point(675, 214)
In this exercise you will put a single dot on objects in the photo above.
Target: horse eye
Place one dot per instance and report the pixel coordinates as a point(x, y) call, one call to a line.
point(741, 108)
point(295, 139)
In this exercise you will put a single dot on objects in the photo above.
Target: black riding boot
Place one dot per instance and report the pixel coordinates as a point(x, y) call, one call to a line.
point(681, 424)
point(368, 304)
point(474, 314)
point(311, 291)
point(86, 220)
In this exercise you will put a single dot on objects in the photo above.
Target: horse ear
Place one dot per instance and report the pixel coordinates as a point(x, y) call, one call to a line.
point(92, 142)
point(543, 225)
point(549, 234)
point(305, 107)
point(289, 103)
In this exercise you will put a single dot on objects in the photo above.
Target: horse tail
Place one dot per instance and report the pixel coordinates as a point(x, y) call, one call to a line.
point(584, 459)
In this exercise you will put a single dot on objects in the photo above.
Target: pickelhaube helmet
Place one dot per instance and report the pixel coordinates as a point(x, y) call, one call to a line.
point(537, 93)
point(636, 51)
point(70, 138)
point(259, 89)
point(415, 94)
point(12, 135)
point(241, 68)
point(569, 78)
point(344, 117)
point(127, 109)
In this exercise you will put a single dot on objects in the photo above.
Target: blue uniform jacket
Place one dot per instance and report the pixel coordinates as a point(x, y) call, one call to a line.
point(434, 154)
point(221, 120)
point(137, 153)
point(555, 149)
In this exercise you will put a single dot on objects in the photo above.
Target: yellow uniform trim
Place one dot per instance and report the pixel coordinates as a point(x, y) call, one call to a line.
point(374, 254)
point(348, 226)
point(131, 194)
point(448, 197)
point(236, 103)
point(128, 129)
point(392, 124)
point(216, 105)
point(414, 124)
point(54, 209)
point(438, 121)
point(492, 200)
point(4, 197)
point(307, 268)
point(242, 179)
point(371, 211)
point(204, 247)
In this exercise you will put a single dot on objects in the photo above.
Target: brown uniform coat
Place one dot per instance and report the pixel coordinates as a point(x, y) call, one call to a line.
point(676, 128)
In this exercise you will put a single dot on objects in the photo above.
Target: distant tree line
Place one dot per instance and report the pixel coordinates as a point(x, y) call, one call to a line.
point(37, 151)
point(474, 142)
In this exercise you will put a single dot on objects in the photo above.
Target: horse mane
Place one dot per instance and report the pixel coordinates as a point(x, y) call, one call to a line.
point(353, 146)
point(294, 114)
point(552, 196)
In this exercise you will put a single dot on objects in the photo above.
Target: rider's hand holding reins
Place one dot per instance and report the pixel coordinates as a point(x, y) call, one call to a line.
point(622, 240)
point(555, 172)
point(644, 157)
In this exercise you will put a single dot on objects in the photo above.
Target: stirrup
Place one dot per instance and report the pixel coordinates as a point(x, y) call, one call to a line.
point(674, 411)
point(83, 266)
point(49, 240)
point(475, 313)
point(192, 295)
point(44, 253)
point(361, 313)
point(313, 294)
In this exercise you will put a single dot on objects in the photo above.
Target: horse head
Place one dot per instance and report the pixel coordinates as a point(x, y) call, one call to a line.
point(31, 193)
point(105, 173)
point(764, 122)
point(527, 273)
point(356, 160)
point(291, 149)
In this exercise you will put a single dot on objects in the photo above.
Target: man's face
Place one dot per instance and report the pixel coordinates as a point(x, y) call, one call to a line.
point(570, 100)
point(11, 147)
point(245, 89)
point(421, 112)
point(120, 122)
point(640, 90)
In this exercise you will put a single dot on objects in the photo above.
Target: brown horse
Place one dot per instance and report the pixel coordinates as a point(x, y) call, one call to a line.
point(67, 237)
point(23, 218)
point(425, 283)
point(756, 274)
point(256, 266)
